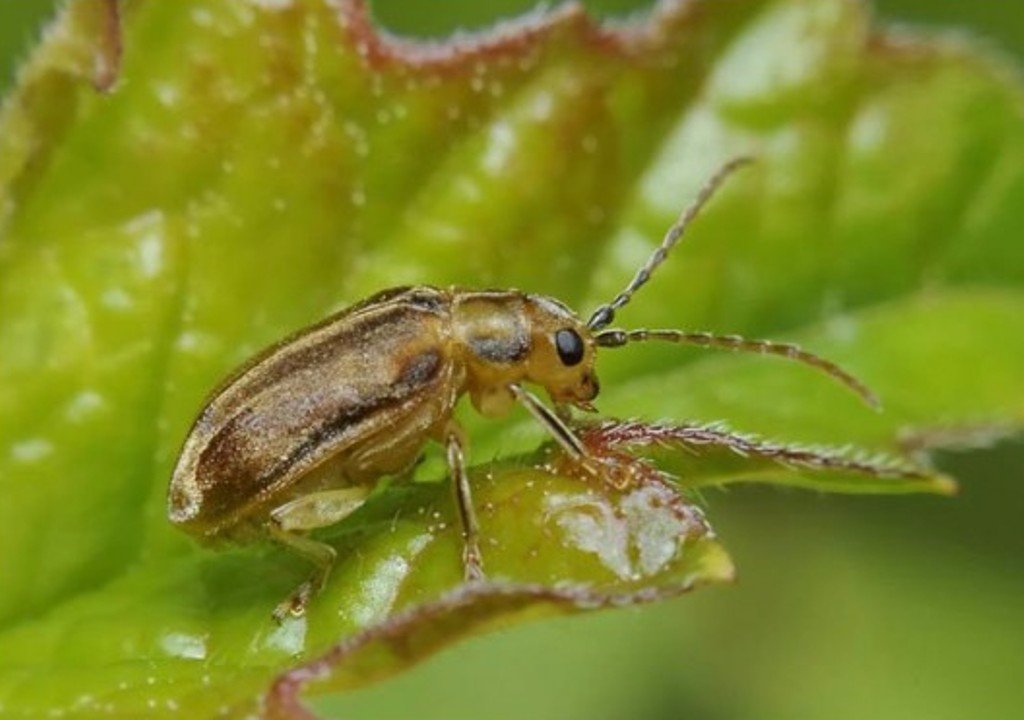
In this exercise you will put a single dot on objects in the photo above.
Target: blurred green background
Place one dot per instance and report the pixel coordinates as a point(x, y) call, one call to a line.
point(847, 607)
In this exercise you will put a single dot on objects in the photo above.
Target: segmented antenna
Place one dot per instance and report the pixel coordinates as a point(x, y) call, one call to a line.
point(605, 314)
point(618, 338)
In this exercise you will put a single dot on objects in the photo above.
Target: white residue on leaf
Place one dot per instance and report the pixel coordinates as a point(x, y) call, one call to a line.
point(83, 405)
point(869, 130)
point(654, 529)
point(501, 144)
point(148, 228)
point(151, 254)
point(116, 298)
point(358, 136)
point(634, 536)
point(542, 106)
point(843, 327)
point(377, 593)
point(440, 230)
point(31, 450)
point(185, 646)
point(167, 93)
point(469, 189)
point(591, 525)
point(202, 17)
point(189, 340)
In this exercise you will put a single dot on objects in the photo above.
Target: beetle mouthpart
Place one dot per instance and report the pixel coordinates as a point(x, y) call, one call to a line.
point(585, 405)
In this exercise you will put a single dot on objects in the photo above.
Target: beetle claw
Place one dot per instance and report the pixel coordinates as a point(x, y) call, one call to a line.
point(472, 564)
point(294, 605)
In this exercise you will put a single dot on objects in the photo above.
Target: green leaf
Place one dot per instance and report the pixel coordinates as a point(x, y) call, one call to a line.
point(247, 167)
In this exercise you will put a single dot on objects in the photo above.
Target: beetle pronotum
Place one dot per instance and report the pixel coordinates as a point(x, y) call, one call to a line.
point(297, 438)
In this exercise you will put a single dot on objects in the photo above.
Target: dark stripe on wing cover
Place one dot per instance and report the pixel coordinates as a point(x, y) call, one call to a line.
point(417, 371)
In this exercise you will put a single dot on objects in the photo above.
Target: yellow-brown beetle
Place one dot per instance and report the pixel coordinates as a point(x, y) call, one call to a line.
point(297, 438)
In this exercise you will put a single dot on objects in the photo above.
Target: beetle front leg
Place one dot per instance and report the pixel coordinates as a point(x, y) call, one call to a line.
point(472, 560)
point(615, 474)
point(563, 413)
point(320, 554)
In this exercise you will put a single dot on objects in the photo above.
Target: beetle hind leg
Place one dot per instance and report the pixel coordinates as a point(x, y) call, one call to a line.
point(288, 521)
point(320, 554)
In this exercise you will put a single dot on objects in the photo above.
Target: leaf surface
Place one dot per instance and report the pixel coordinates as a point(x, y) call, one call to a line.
point(184, 183)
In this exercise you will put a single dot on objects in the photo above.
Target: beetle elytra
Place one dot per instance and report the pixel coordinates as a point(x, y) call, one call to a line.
point(300, 435)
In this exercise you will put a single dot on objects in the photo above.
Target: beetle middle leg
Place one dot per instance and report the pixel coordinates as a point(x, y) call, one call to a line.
point(472, 560)
point(289, 521)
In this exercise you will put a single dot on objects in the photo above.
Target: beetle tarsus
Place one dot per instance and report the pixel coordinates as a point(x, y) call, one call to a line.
point(472, 563)
point(294, 606)
point(320, 554)
point(609, 470)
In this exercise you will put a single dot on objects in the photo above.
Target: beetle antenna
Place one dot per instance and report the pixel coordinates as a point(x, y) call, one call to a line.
point(605, 314)
point(618, 338)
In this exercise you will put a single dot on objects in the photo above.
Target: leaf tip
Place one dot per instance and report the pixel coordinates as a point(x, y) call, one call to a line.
point(725, 572)
point(945, 485)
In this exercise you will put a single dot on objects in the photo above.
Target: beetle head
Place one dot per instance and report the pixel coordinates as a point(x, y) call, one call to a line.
point(507, 337)
point(562, 353)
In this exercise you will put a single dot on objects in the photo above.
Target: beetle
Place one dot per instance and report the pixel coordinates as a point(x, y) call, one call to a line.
point(298, 437)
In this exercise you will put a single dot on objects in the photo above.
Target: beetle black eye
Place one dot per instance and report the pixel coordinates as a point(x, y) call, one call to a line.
point(569, 346)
